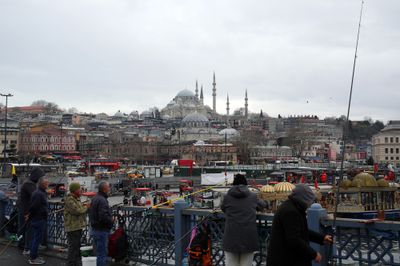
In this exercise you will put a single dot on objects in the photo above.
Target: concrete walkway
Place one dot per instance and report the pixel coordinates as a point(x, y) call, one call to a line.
point(13, 257)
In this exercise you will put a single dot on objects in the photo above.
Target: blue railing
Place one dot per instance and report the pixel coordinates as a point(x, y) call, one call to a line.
point(161, 236)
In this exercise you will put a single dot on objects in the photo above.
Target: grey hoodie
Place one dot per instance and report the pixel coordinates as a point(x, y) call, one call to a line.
point(239, 206)
point(303, 195)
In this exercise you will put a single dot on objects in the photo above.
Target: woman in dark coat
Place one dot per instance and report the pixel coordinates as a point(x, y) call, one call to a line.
point(290, 238)
point(240, 237)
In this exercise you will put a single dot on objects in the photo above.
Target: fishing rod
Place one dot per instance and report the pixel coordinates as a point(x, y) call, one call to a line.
point(188, 195)
point(346, 125)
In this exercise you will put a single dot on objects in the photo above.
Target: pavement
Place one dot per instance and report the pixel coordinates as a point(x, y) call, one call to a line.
point(13, 256)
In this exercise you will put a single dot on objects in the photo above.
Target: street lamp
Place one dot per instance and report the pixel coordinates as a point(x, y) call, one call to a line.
point(5, 130)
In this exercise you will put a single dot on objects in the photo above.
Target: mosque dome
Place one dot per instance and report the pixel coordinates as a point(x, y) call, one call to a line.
point(166, 117)
point(229, 132)
point(185, 93)
point(119, 114)
point(195, 117)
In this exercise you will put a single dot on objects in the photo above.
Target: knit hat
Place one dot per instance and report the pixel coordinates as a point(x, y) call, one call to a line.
point(239, 179)
point(36, 174)
point(303, 195)
point(74, 187)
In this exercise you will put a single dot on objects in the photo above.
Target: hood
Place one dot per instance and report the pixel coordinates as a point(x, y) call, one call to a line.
point(239, 191)
point(36, 174)
point(303, 195)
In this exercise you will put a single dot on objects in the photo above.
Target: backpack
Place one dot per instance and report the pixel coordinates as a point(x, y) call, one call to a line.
point(118, 245)
point(118, 241)
point(199, 250)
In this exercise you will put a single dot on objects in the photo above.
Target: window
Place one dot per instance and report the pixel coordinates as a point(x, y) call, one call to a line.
point(397, 139)
point(386, 150)
point(391, 139)
point(386, 158)
point(397, 158)
point(391, 150)
point(386, 140)
point(397, 150)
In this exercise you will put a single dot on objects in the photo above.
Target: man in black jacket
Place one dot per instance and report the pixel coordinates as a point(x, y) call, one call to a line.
point(101, 222)
point(290, 237)
point(27, 188)
point(38, 219)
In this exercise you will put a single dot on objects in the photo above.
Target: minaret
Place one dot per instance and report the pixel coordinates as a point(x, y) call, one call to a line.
point(246, 106)
point(214, 94)
point(197, 90)
point(227, 104)
point(201, 96)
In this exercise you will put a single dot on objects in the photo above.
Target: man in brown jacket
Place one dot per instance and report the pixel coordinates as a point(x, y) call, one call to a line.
point(75, 221)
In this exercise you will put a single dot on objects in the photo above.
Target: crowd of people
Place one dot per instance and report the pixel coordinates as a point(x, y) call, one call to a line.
point(33, 214)
point(240, 239)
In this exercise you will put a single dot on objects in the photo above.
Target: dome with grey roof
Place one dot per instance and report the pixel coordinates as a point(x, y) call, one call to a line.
point(195, 120)
point(195, 117)
point(185, 93)
point(229, 132)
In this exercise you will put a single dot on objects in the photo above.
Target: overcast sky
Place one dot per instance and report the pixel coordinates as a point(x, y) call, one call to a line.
point(293, 57)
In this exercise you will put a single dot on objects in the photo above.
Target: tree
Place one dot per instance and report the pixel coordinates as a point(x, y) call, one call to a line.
point(49, 107)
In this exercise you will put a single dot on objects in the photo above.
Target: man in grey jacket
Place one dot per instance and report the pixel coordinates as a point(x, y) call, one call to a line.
point(240, 239)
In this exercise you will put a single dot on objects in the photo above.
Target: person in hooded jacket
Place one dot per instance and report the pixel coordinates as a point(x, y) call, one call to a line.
point(24, 199)
point(240, 239)
point(290, 237)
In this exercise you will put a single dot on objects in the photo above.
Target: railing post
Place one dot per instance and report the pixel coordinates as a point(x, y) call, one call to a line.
point(314, 215)
point(180, 226)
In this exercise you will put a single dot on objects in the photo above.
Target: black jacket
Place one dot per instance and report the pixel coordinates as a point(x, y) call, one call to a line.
point(100, 213)
point(290, 238)
point(38, 205)
point(239, 206)
point(27, 188)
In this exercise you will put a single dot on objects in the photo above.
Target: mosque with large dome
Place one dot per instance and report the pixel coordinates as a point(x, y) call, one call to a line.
point(188, 107)
point(186, 102)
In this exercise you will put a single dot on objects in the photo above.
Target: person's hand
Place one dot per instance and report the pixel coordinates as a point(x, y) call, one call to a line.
point(328, 240)
point(26, 217)
point(318, 258)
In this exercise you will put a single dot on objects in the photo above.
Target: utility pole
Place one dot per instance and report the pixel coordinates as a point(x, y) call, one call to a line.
point(5, 131)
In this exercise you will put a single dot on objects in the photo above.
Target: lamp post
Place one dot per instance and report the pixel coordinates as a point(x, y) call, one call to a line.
point(5, 131)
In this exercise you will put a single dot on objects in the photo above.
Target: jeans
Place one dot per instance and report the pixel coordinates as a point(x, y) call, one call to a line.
point(37, 226)
point(239, 259)
point(100, 240)
point(74, 248)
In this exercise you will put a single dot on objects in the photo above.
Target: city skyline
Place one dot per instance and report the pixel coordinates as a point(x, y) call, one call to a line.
point(292, 57)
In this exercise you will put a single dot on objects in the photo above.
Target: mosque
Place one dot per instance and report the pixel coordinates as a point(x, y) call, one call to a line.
point(195, 116)
point(187, 102)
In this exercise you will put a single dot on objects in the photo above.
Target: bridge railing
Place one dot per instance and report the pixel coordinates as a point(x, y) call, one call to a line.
point(161, 236)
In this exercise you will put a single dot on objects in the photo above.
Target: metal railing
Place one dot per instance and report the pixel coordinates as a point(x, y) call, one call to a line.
point(153, 234)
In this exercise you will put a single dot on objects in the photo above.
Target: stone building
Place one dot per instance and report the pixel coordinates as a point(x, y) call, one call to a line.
point(386, 144)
